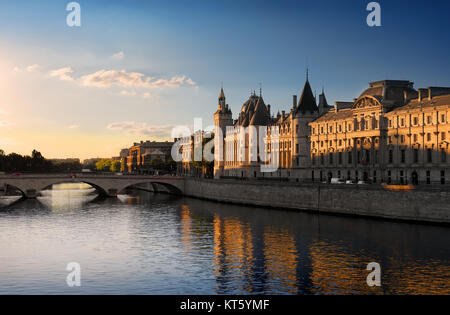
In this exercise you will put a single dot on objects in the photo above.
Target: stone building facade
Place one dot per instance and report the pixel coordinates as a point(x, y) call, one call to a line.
point(391, 133)
point(140, 156)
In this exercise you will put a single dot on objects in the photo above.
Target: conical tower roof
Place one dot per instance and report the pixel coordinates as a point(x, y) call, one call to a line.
point(307, 101)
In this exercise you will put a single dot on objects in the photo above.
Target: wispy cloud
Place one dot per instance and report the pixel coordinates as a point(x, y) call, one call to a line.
point(4, 123)
point(127, 93)
point(119, 56)
point(122, 78)
point(32, 68)
point(74, 126)
point(132, 127)
point(62, 73)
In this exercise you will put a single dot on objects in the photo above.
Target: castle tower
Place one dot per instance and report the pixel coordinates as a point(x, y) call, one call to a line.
point(222, 119)
point(305, 112)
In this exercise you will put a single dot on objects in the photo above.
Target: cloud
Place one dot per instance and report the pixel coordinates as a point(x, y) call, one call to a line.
point(119, 56)
point(32, 68)
point(132, 127)
point(122, 78)
point(74, 126)
point(4, 123)
point(62, 73)
point(127, 93)
point(147, 95)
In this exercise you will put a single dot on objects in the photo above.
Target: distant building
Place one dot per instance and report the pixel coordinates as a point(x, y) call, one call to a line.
point(391, 133)
point(140, 156)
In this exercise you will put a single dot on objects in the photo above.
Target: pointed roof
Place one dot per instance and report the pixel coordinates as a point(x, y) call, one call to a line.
point(261, 115)
point(323, 100)
point(307, 101)
point(222, 94)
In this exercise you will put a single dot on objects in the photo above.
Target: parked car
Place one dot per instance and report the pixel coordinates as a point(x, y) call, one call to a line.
point(361, 182)
point(350, 182)
point(337, 181)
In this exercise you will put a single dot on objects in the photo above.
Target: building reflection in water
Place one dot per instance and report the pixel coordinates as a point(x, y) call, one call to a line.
point(297, 254)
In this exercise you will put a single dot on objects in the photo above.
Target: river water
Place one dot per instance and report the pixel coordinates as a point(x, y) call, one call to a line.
point(143, 243)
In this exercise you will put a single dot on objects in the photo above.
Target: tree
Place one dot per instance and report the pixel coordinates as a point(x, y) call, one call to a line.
point(104, 165)
point(115, 166)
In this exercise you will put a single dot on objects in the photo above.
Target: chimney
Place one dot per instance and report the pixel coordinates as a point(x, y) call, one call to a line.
point(422, 94)
point(283, 114)
point(294, 101)
point(268, 109)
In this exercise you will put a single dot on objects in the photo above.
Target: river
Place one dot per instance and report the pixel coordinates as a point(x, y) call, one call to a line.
point(141, 243)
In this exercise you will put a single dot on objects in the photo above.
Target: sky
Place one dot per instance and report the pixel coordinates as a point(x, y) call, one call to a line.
point(135, 69)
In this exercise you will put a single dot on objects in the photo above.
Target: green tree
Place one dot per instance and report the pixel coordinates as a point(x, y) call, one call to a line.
point(115, 166)
point(104, 165)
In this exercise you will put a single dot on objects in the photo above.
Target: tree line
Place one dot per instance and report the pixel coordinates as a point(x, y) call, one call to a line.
point(35, 162)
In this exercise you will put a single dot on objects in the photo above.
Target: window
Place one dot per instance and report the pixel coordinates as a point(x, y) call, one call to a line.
point(322, 159)
point(350, 157)
point(442, 177)
point(331, 158)
point(389, 177)
point(321, 129)
point(402, 122)
point(416, 156)
point(391, 156)
point(428, 136)
point(389, 140)
point(374, 176)
point(296, 147)
point(390, 123)
point(443, 118)
point(349, 127)
point(429, 156)
point(428, 177)
point(443, 156)
point(340, 158)
point(340, 128)
point(402, 139)
point(416, 121)
point(331, 129)
point(313, 159)
point(442, 135)
point(415, 138)
point(403, 155)
point(429, 120)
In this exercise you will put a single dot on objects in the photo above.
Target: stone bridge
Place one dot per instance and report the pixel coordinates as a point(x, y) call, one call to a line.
point(107, 185)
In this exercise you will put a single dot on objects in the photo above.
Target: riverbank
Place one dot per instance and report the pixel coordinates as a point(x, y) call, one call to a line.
point(424, 204)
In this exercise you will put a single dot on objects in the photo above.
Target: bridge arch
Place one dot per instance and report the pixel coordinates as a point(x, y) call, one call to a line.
point(100, 190)
point(171, 188)
point(108, 185)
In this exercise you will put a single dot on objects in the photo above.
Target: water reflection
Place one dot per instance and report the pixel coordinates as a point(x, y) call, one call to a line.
point(143, 243)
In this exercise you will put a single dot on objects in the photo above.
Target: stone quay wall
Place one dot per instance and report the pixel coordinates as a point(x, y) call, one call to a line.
point(423, 204)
